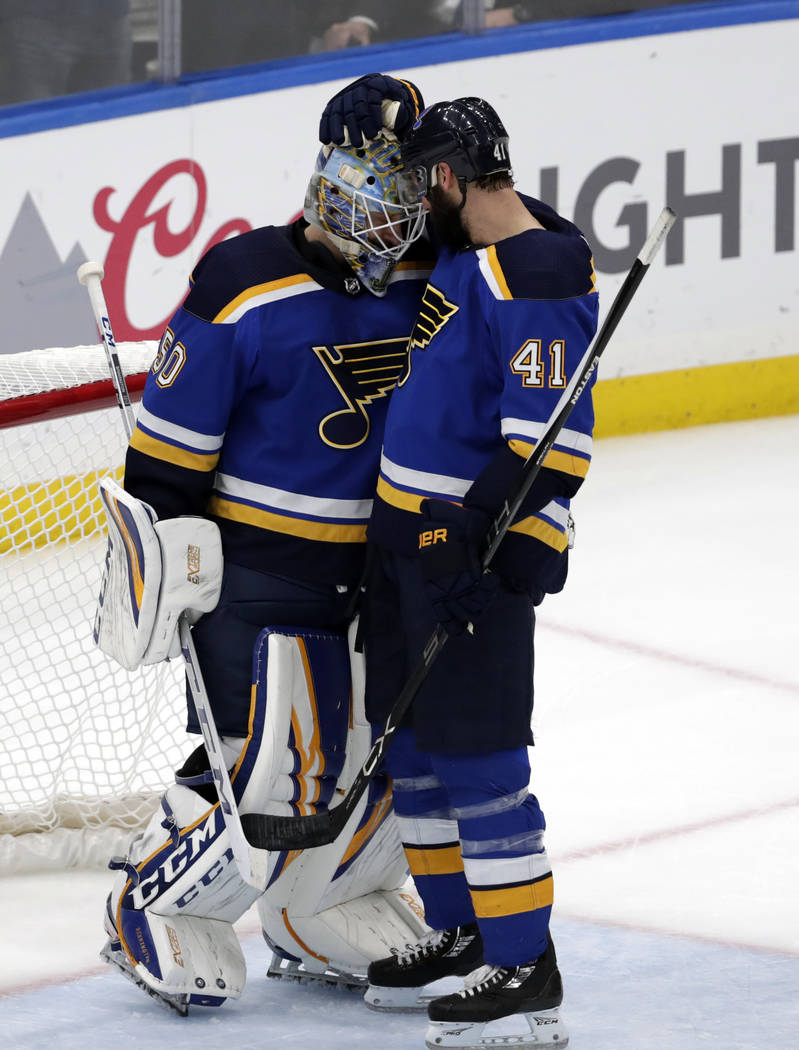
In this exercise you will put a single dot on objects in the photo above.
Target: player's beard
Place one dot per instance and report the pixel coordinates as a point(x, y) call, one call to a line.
point(447, 220)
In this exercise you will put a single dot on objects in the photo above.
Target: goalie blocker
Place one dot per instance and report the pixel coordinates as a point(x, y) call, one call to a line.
point(170, 916)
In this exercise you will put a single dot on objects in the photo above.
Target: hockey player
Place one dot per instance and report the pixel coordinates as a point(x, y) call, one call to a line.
point(248, 486)
point(508, 313)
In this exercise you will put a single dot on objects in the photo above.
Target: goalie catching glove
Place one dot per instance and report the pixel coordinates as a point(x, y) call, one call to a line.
point(154, 571)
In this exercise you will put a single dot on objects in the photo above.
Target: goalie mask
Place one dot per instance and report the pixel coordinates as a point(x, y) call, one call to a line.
point(367, 205)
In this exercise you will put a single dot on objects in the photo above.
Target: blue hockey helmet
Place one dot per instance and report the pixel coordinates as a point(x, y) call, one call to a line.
point(368, 205)
point(466, 133)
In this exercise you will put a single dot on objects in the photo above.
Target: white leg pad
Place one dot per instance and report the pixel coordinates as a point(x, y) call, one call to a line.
point(185, 955)
point(348, 903)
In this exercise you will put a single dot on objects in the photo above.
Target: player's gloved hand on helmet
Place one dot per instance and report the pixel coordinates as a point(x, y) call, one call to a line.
point(368, 106)
point(450, 541)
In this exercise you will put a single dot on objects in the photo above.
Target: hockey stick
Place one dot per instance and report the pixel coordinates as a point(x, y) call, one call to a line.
point(252, 863)
point(288, 833)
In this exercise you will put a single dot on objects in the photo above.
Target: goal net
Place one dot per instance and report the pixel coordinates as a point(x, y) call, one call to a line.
point(86, 748)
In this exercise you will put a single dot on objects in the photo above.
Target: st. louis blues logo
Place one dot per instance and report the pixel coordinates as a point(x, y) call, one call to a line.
point(434, 313)
point(362, 373)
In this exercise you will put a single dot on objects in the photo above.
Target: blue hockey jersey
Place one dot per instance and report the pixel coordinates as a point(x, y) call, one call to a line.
point(267, 398)
point(500, 332)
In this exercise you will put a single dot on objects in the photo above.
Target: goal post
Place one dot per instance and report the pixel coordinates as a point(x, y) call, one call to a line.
point(86, 748)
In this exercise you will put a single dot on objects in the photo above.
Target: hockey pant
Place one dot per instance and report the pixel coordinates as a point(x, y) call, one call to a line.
point(179, 890)
point(473, 836)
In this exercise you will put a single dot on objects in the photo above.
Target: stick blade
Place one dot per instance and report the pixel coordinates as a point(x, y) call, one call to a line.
point(265, 831)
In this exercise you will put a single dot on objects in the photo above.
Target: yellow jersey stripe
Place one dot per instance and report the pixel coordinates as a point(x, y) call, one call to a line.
point(260, 289)
point(267, 519)
point(399, 498)
point(496, 269)
point(427, 860)
point(496, 903)
point(542, 530)
point(180, 457)
point(554, 459)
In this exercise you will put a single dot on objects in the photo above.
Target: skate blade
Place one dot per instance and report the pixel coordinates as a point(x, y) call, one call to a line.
point(120, 962)
point(289, 970)
point(544, 1030)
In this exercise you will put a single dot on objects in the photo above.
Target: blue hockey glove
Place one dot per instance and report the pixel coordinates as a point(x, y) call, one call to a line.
point(449, 553)
point(357, 111)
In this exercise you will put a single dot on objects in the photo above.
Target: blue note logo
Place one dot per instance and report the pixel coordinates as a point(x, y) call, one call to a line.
point(362, 373)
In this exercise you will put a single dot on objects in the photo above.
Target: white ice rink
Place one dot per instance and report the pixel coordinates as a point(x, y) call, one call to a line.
point(667, 762)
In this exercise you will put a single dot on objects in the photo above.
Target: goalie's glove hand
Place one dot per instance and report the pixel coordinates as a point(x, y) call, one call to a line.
point(363, 109)
point(450, 538)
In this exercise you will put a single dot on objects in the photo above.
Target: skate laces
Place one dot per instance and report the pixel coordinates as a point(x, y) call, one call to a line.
point(484, 979)
point(427, 944)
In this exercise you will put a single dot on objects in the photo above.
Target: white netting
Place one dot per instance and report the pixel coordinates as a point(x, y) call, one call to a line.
point(38, 371)
point(84, 745)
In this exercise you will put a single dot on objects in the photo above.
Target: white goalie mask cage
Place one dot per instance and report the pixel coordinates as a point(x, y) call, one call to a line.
point(368, 205)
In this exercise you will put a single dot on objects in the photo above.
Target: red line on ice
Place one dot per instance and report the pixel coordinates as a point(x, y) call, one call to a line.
point(673, 658)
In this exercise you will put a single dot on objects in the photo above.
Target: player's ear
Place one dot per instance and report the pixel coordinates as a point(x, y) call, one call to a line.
point(445, 176)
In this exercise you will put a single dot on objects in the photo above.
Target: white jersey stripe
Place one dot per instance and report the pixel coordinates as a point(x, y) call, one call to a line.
point(488, 273)
point(419, 479)
point(292, 502)
point(572, 439)
point(271, 296)
point(172, 432)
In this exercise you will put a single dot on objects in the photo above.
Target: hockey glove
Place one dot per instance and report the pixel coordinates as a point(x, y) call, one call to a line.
point(449, 553)
point(371, 105)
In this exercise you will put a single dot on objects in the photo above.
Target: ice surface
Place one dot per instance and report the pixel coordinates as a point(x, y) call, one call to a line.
point(667, 730)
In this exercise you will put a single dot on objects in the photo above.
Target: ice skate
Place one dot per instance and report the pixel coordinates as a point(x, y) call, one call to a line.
point(409, 980)
point(502, 1006)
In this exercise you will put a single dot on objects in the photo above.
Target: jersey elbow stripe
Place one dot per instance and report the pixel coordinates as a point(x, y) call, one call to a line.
point(542, 530)
point(555, 459)
point(403, 500)
point(260, 294)
point(434, 860)
point(303, 528)
point(405, 487)
point(193, 440)
point(527, 433)
point(496, 902)
point(157, 448)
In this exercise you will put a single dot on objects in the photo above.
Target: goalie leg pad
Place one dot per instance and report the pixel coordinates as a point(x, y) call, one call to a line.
point(169, 916)
point(181, 955)
point(343, 905)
